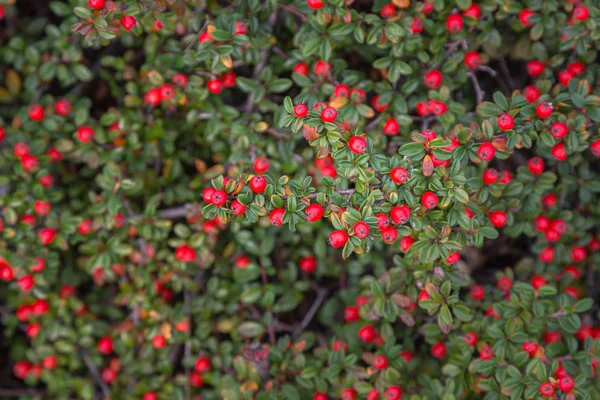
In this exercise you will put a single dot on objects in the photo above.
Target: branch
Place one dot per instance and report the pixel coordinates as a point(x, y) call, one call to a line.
point(95, 373)
point(293, 10)
point(321, 294)
point(479, 94)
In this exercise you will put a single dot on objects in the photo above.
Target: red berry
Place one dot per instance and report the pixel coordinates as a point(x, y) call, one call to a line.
point(538, 281)
point(536, 165)
point(367, 333)
point(215, 86)
point(219, 197)
point(258, 184)
point(388, 11)
point(382, 220)
point(389, 234)
point(505, 122)
point(36, 112)
point(361, 230)
point(329, 114)
point(301, 68)
point(439, 350)
point(437, 107)
point(400, 214)
point(406, 242)
point(237, 208)
point(105, 345)
point(261, 165)
point(47, 235)
point(185, 253)
point(42, 208)
point(315, 4)
point(96, 4)
point(85, 134)
point(63, 107)
point(486, 353)
point(308, 264)
point(322, 68)
point(320, 396)
point(530, 347)
point(595, 148)
point(525, 17)
point(576, 68)
point(547, 255)
point(559, 152)
point(195, 379)
point(380, 362)
point(202, 364)
point(357, 144)
point(471, 338)
point(535, 68)
point(541, 223)
point(454, 23)
point(416, 26)
point(566, 384)
point(348, 394)
point(314, 212)
point(531, 93)
point(391, 127)
point(340, 345)
point(474, 11)
point(578, 253)
point(180, 80)
point(544, 110)
point(300, 110)
point(429, 200)
point(153, 97)
point(581, 13)
point(477, 292)
point(559, 130)
point(341, 90)
point(242, 262)
point(469, 213)
point(433, 79)
point(378, 107)
point(546, 389)
point(490, 176)
point(26, 283)
point(21, 149)
point(564, 77)
point(453, 258)
point(486, 151)
point(276, 216)
point(241, 28)
point(498, 218)
point(393, 393)
point(207, 194)
point(50, 362)
point(128, 22)
point(159, 341)
point(21, 369)
point(473, 59)
point(399, 175)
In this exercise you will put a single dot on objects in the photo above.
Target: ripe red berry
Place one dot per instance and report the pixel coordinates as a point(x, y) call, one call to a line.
point(42, 208)
point(159, 341)
point(538, 281)
point(525, 17)
point(382, 220)
point(300, 110)
point(26, 283)
point(417, 26)
point(85, 134)
point(361, 230)
point(505, 122)
point(535, 68)
point(378, 107)
point(314, 212)
point(536, 165)
point(547, 255)
point(36, 112)
point(185, 253)
point(564, 77)
point(308, 264)
point(439, 350)
point(576, 68)
point(389, 234)
point(258, 184)
point(320, 396)
point(21, 149)
point(393, 393)
point(400, 214)
point(47, 235)
point(367, 333)
point(566, 384)
point(261, 165)
point(153, 97)
point(202, 364)
point(581, 13)
point(546, 389)
point(50, 362)
point(341, 90)
point(150, 396)
point(469, 213)
point(531, 93)
point(490, 176)
point(433, 79)
point(477, 292)
point(63, 107)
point(474, 11)
point(541, 223)
point(195, 379)
point(486, 151)
point(471, 338)
point(498, 218)
point(429, 200)
point(380, 362)
point(301, 68)
point(180, 80)
point(559, 130)
point(530, 347)
point(96, 4)
point(276, 216)
point(578, 253)
point(219, 197)
point(357, 144)
point(237, 208)
point(215, 86)
point(348, 394)
point(329, 114)
point(21, 369)
point(388, 11)
point(322, 68)
point(473, 59)
point(486, 353)
point(559, 152)
point(453, 258)
point(454, 23)
point(340, 345)
point(406, 242)
point(207, 194)
point(595, 148)
point(391, 127)
point(544, 110)
point(399, 175)
point(128, 22)
point(315, 4)
point(105, 345)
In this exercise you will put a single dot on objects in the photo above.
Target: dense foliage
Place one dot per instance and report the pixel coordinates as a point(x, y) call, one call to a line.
point(307, 199)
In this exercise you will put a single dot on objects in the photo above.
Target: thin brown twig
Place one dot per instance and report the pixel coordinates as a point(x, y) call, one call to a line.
point(95, 372)
point(293, 10)
point(321, 294)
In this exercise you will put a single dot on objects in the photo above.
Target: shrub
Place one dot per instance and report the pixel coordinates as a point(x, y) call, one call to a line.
point(300, 199)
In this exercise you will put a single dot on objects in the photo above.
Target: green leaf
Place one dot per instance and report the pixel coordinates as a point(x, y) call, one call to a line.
point(488, 109)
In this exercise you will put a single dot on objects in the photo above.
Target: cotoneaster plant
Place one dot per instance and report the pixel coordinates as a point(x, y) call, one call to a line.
point(322, 199)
